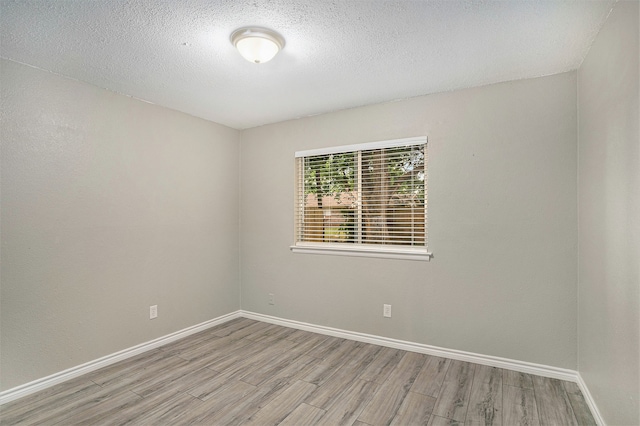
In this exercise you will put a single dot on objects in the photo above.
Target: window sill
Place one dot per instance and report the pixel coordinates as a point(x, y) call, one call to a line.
point(363, 251)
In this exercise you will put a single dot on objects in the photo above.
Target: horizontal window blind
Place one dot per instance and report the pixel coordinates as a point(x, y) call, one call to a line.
point(376, 196)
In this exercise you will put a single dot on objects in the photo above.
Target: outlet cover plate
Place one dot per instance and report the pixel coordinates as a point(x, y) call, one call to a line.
point(153, 311)
point(386, 311)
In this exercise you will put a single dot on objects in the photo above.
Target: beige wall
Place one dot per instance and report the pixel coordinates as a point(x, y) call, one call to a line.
point(502, 224)
point(109, 205)
point(609, 218)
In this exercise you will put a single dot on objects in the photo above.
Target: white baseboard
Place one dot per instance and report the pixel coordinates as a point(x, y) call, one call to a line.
point(62, 376)
point(493, 361)
point(590, 401)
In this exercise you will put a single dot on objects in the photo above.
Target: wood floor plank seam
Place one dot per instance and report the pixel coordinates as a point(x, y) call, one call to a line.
point(466, 414)
point(440, 389)
point(537, 405)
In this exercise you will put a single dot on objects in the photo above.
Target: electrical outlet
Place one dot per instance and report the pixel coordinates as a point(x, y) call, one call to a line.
point(153, 311)
point(386, 311)
point(272, 299)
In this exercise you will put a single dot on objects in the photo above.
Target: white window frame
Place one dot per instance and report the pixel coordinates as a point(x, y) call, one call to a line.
point(421, 253)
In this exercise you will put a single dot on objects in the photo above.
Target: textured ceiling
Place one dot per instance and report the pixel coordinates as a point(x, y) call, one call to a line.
point(338, 54)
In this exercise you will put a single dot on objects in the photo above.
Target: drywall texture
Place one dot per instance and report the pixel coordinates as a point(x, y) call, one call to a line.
point(502, 224)
point(109, 205)
point(609, 218)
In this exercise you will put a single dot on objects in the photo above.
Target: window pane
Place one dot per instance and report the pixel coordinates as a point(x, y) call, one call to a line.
point(393, 195)
point(330, 198)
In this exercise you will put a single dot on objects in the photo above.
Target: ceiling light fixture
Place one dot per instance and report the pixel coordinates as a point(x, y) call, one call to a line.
point(257, 45)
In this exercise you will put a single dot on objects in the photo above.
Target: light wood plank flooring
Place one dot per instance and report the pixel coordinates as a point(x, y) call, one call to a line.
point(250, 372)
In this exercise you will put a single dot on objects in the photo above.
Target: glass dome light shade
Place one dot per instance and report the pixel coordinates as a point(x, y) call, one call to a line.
point(257, 45)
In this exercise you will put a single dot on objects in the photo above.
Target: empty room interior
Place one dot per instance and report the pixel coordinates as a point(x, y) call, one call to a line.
point(320, 212)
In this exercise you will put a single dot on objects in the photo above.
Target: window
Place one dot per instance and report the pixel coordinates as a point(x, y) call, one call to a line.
point(363, 200)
